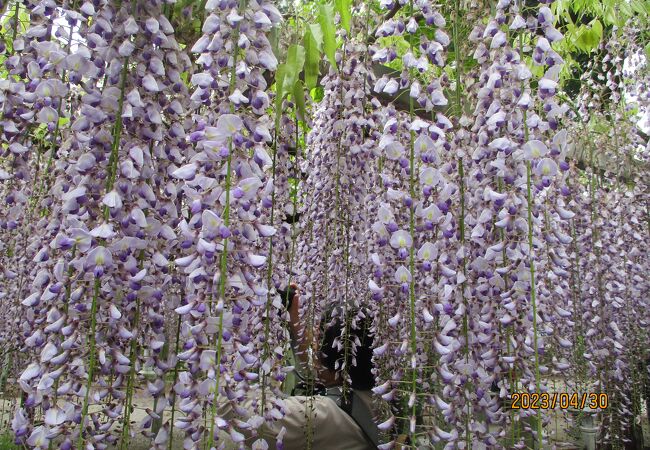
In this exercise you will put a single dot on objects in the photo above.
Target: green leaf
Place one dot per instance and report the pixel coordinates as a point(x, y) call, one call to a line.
point(647, 50)
point(558, 7)
point(326, 21)
point(597, 29)
point(640, 6)
point(626, 10)
point(611, 17)
point(312, 56)
point(580, 5)
point(344, 7)
point(185, 77)
point(299, 97)
point(274, 38)
point(317, 93)
point(570, 26)
point(589, 38)
point(317, 34)
point(536, 70)
point(295, 63)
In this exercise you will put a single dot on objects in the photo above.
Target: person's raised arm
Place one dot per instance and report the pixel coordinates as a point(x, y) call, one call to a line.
point(306, 342)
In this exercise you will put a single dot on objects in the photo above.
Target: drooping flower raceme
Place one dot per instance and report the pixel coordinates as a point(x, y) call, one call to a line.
point(226, 178)
point(111, 230)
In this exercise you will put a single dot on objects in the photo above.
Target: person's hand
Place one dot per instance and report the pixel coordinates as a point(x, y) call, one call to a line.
point(307, 342)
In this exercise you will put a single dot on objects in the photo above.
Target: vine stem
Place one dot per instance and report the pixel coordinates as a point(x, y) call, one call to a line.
point(68, 288)
point(91, 363)
point(512, 372)
point(531, 263)
point(224, 254)
point(461, 219)
point(294, 203)
point(176, 349)
point(222, 292)
point(117, 134)
point(269, 270)
point(533, 290)
point(130, 383)
point(342, 227)
point(129, 386)
point(413, 328)
point(347, 342)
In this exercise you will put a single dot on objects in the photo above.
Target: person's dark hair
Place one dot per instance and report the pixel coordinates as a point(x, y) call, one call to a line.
point(360, 374)
point(287, 295)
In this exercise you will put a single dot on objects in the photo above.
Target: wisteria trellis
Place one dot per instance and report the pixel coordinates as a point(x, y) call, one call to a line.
point(157, 194)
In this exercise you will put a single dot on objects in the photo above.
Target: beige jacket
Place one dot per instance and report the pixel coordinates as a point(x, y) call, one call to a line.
point(316, 419)
point(331, 427)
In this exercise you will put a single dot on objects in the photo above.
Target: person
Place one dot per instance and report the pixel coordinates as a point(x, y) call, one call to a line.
point(326, 420)
point(349, 419)
point(305, 344)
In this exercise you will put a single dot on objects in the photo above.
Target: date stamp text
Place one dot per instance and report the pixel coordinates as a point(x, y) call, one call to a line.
point(563, 400)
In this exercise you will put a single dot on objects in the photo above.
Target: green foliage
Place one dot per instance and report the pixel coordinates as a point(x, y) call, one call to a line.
point(274, 39)
point(344, 8)
point(7, 33)
point(589, 37)
point(299, 98)
point(313, 44)
point(611, 12)
point(585, 23)
point(579, 37)
point(288, 83)
point(317, 93)
point(294, 65)
point(318, 38)
point(326, 21)
point(400, 45)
